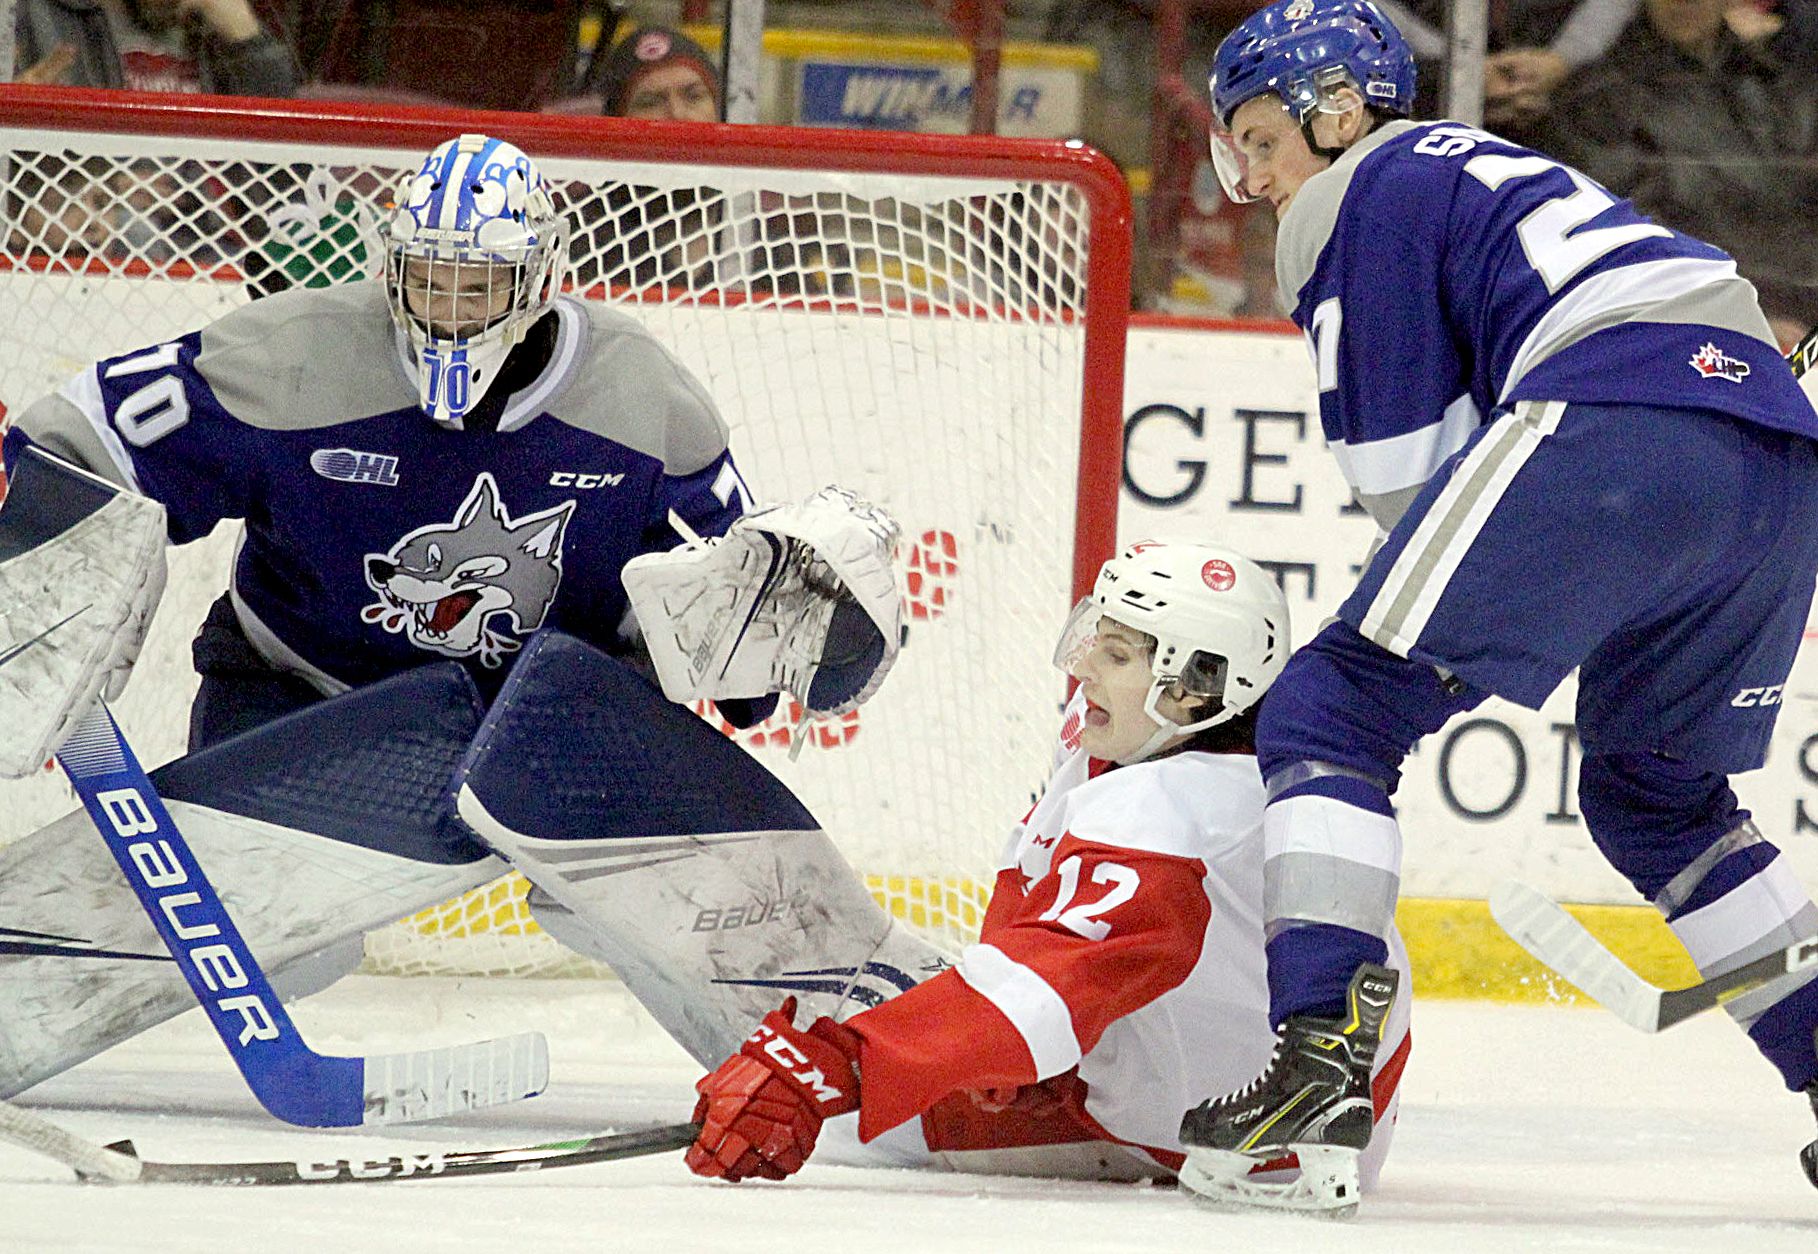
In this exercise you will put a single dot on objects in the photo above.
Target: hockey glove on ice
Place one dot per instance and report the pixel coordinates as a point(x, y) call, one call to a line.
point(761, 1111)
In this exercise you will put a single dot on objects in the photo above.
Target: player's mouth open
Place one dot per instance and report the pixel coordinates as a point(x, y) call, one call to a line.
point(1095, 715)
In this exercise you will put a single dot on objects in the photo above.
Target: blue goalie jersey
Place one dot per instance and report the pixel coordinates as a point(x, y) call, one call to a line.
point(1441, 274)
point(377, 540)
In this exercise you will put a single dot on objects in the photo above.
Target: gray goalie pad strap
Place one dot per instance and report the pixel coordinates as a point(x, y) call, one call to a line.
point(81, 568)
point(685, 865)
point(314, 829)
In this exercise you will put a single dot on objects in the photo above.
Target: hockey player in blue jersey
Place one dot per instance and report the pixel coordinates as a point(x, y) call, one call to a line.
point(431, 466)
point(1585, 451)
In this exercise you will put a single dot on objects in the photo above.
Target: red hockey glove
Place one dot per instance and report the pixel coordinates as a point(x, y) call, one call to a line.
point(761, 1111)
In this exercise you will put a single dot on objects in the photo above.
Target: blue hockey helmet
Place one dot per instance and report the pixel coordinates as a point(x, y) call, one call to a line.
point(1300, 50)
point(475, 252)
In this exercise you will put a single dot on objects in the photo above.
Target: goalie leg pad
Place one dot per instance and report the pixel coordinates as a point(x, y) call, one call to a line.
point(693, 871)
point(81, 570)
point(323, 825)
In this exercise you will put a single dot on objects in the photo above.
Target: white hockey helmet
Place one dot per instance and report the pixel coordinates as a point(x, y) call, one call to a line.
point(1219, 621)
point(475, 251)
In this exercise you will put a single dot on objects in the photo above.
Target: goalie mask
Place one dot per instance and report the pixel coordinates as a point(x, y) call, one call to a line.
point(1219, 621)
point(475, 252)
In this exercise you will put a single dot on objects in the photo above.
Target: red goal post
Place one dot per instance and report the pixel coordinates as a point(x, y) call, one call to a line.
point(934, 321)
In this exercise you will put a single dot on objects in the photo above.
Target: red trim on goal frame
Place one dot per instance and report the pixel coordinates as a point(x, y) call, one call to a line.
point(1099, 181)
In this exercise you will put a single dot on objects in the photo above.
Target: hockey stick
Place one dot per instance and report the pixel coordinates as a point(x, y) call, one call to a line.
point(85, 1158)
point(292, 1081)
point(1540, 926)
point(119, 1163)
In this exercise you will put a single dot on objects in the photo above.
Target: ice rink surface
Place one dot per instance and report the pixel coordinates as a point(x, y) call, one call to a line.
point(1521, 1129)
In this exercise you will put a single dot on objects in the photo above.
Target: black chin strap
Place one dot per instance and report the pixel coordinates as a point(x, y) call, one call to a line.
point(1306, 130)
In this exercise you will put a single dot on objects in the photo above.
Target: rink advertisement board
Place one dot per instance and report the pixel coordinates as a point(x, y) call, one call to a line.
point(1222, 441)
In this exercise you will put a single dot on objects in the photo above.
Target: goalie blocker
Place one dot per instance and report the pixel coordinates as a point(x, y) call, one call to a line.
point(81, 570)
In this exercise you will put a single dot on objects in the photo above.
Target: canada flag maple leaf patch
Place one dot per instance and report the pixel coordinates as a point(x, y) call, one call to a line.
point(1713, 363)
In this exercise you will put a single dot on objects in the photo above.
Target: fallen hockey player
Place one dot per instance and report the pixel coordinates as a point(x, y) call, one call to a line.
point(1119, 973)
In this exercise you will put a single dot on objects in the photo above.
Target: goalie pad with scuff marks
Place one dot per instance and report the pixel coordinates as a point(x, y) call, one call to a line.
point(315, 829)
point(800, 599)
point(673, 855)
point(81, 570)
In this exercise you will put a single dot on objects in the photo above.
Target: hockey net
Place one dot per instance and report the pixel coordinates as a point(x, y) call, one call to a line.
point(936, 323)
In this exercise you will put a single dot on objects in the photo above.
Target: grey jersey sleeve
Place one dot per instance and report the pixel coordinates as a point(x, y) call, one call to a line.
point(61, 424)
point(631, 389)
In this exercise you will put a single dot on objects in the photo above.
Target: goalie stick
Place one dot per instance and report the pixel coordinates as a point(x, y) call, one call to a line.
point(292, 1081)
point(1543, 928)
point(119, 1163)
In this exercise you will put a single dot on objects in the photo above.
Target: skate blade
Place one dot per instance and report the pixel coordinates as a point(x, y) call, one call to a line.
point(1326, 1186)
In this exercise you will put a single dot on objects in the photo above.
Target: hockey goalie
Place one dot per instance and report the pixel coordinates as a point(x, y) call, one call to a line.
point(433, 465)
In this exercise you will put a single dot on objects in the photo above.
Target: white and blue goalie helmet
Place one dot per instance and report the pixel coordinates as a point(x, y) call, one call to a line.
point(475, 252)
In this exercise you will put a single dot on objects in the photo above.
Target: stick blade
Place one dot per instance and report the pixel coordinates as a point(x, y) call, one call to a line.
point(88, 1160)
point(1543, 928)
point(433, 1083)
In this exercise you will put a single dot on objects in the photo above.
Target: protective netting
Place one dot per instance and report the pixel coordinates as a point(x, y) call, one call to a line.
point(919, 338)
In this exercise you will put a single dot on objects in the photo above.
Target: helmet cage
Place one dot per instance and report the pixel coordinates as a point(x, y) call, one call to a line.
point(492, 252)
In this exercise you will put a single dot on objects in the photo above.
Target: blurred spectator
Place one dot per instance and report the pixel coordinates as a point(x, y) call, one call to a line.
point(484, 54)
point(153, 45)
point(660, 74)
point(638, 236)
point(1710, 133)
point(150, 208)
point(1533, 45)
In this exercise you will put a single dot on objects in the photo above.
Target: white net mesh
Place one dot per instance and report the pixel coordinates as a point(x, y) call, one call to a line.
point(918, 337)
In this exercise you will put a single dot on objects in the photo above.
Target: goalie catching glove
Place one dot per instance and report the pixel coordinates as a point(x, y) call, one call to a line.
point(81, 570)
point(761, 1111)
point(793, 598)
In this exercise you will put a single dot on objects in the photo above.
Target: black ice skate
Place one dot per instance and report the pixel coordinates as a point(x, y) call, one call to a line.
point(1808, 1157)
point(1312, 1100)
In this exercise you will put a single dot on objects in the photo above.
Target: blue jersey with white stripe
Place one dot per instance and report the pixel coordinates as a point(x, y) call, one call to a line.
point(376, 539)
point(1441, 273)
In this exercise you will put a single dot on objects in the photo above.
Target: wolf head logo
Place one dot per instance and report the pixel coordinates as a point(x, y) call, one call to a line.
point(449, 586)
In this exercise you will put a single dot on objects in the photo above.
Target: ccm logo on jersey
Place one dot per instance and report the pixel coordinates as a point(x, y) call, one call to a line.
point(572, 479)
point(158, 869)
point(1750, 698)
point(799, 1067)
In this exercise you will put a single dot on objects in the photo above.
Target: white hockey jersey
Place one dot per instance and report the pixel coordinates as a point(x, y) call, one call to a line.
point(1119, 976)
